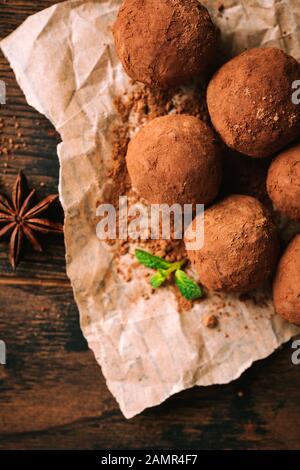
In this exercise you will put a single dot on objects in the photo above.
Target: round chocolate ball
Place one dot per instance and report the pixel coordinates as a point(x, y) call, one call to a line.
point(240, 247)
point(286, 287)
point(283, 183)
point(250, 102)
point(164, 42)
point(175, 159)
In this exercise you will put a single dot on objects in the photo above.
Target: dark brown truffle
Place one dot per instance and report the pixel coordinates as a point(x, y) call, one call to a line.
point(175, 159)
point(286, 287)
point(283, 182)
point(250, 102)
point(165, 42)
point(240, 245)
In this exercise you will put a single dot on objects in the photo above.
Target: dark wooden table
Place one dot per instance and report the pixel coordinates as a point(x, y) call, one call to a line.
point(52, 393)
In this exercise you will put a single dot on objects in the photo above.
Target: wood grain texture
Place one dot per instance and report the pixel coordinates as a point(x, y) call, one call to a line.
point(52, 393)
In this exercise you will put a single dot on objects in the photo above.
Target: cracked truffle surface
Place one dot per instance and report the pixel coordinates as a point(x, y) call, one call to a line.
point(283, 183)
point(286, 287)
point(250, 102)
point(240, 245)
point(175, 160)
point(166, 42)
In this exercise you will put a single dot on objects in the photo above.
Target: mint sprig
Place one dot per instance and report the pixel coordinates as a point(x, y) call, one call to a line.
point(158, 279)
point(151, 261)
point(186, 285)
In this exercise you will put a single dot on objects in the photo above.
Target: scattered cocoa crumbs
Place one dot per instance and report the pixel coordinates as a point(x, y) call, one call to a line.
point(260, 300)
point(51, 133)
point(142, 104)
point(210, 321)
point(9, 144)
point(221, 7)
point(183, 304)
point(119, 175)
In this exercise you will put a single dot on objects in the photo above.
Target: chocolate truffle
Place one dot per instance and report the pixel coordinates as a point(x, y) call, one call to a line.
point(283, 182)
point(165, 42)
point(240, 247)
point(175, 159)
point(250, 101)
point(286, 287)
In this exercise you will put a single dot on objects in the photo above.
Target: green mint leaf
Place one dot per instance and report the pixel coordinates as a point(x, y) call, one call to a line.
point(151, 261)
point(158, 279)
point(187, 286)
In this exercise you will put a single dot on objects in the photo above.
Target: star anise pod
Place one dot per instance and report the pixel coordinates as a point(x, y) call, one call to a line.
point(21, 219)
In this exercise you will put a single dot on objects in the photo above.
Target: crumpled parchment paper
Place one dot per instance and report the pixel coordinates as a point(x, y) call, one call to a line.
point(65, 62)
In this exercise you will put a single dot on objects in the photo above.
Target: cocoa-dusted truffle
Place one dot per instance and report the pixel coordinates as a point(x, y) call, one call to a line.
point(286, 287)
point(283, 182)
point(240, 245)
point(175, 159)
point(165, 42)
point(250, 102)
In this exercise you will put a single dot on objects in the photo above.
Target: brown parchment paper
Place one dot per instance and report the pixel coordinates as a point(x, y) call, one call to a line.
point(65, 62)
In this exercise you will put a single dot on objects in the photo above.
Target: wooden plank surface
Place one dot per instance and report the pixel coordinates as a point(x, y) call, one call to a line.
point(52, 393)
